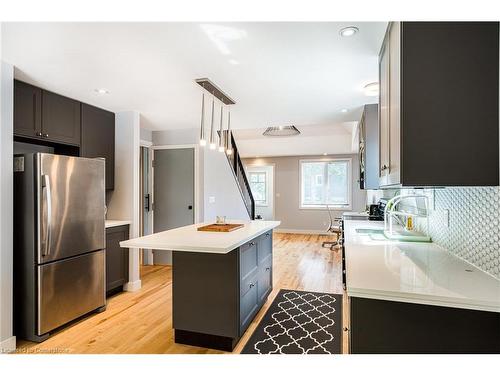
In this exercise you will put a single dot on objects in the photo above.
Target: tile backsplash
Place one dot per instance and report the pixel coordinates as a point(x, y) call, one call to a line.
point(472, 230)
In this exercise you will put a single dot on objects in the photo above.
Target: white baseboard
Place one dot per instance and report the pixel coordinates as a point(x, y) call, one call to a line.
point(8, 345)
point(303, 231)
point(132, 286)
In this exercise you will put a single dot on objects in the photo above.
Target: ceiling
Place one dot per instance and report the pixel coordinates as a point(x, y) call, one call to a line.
point(302, 74)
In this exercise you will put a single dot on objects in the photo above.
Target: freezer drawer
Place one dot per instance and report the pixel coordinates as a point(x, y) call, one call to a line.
point(70, 288)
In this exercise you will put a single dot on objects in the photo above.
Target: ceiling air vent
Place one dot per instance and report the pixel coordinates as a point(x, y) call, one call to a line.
point(281, 131)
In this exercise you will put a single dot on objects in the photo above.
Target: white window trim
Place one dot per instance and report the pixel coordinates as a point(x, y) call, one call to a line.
point(347, 207)
point(266, 185)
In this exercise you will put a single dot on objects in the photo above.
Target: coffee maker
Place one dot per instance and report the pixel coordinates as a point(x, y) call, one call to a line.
point(377, 210)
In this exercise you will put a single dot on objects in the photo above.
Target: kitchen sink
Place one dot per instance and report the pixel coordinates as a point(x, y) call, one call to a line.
point(400, 235)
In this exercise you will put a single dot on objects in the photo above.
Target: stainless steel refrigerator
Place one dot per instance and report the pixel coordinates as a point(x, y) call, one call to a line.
point(59, 241)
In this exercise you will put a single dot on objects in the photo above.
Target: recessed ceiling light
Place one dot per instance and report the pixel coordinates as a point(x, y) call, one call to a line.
point(324, 154)
point(101, 91)
point(349, 31)
point(371, 89)
point(343, 110)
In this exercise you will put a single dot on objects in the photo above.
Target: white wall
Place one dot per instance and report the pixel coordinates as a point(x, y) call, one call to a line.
point(124, 200)
point(222, 196)
point(287, 190)
point(7, 340)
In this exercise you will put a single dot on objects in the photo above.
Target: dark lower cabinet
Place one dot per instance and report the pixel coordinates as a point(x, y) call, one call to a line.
point(388, 327)
point(116, 259)
point(216, 296)
point(98, 138)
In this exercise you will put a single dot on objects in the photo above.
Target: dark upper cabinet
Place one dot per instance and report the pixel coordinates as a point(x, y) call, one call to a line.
point(439, 103)
point(27, 110)
point(44, 115)
point(98, 138)
point(116, 258)
point(60, 118)
point(368, 148)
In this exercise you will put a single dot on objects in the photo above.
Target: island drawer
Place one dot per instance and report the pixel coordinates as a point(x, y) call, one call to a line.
point(248, 259)
point(265, 281)
point(249, 304)
point(265, 246)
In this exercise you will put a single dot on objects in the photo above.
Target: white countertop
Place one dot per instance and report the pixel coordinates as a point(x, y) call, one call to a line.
point(116, 223)
point(189, 239)
point(421, 273)
point(355, 214)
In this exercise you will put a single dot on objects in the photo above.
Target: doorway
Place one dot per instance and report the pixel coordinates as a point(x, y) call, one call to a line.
point(146, 212)
point(173, 191)
point(261, 179)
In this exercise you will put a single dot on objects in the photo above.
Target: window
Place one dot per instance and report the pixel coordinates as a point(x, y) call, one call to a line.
point(258, 184)
point(325, 182)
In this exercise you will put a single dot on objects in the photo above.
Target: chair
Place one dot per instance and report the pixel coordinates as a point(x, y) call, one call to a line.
point(333, 227)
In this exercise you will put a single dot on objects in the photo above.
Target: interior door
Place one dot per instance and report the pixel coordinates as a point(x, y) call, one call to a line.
point(173, 192)
point(71, 206)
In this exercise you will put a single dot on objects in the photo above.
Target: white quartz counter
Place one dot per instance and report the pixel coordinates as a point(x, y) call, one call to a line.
point(421, 273)
point(188, 238)
point(116, 223)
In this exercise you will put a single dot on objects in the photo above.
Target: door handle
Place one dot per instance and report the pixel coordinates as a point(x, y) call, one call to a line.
point(190, 207)
point(48, 209)
point(147, 202)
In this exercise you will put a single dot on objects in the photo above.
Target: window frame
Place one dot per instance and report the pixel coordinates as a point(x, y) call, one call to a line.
point(266, 202)
point(346, 207)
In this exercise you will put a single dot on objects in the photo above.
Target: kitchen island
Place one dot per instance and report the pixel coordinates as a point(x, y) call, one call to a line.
point(220, 279)
point(416, 297)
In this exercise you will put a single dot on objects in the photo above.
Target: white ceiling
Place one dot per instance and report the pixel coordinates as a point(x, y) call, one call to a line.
point(278, 73)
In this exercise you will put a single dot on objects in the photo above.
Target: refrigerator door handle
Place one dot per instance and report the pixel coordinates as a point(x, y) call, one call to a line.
point(48, 209)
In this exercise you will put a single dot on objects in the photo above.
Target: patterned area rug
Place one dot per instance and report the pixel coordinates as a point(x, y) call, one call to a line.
point(299, 322)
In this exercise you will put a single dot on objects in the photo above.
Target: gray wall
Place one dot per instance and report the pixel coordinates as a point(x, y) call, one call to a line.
point(7, 341)
point(287, 187)
point(146, 135)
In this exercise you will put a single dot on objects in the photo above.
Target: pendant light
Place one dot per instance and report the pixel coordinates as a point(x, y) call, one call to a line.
point(221, 131)
point(212, 142)
point(203, 141)
point(229, 145)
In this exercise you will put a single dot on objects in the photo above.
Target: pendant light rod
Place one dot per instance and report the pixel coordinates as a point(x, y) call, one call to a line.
point(229, 146)
point(212, 143)
point(203, 141)
point(221, 131)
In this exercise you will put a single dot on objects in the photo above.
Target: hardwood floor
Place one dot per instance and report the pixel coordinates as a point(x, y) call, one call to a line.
point(141, 322)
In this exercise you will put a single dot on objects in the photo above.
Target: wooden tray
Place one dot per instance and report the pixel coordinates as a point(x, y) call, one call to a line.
point(220, 227)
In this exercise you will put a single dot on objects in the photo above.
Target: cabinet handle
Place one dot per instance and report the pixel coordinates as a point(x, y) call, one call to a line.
point(251, 285)
point(38, 134)
point(251, 243)
point(268, 234)
point(46, 135)
point(268, 268)
point(384, 167)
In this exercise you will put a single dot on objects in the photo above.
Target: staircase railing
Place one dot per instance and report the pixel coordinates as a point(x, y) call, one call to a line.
point(241, 177)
